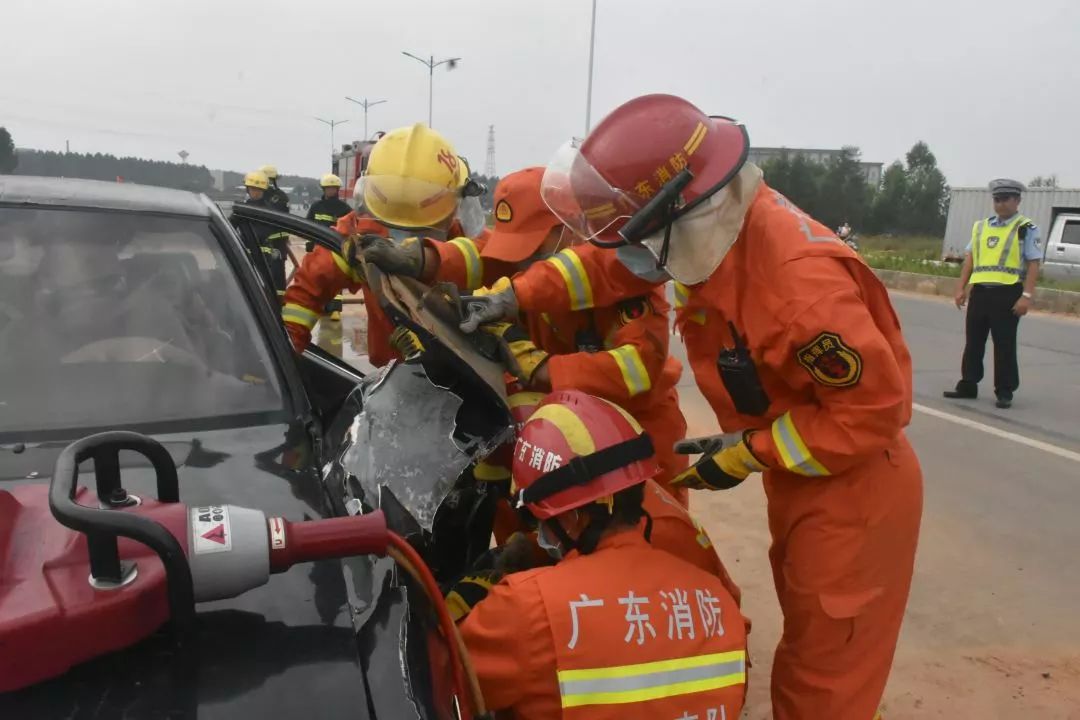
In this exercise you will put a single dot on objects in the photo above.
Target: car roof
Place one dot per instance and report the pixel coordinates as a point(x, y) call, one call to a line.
point(99, 194)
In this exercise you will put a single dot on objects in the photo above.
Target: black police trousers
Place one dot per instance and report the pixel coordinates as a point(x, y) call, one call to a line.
point(990, 312)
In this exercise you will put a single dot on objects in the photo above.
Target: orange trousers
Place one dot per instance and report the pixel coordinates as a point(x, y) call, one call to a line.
point(843, 552)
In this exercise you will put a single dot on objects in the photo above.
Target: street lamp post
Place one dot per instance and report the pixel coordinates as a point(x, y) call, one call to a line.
point(332, 124)
point(588, 96)
point(431, 64)
point(365, 103)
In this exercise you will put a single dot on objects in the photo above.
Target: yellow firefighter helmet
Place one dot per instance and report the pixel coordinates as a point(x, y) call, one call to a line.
point(414, 178)
point(257, 179)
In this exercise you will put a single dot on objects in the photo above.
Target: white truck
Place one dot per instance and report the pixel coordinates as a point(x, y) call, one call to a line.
point(1055, 210)
point(1062, 258)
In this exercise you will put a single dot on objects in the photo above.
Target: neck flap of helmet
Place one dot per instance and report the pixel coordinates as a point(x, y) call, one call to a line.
point(581, 471)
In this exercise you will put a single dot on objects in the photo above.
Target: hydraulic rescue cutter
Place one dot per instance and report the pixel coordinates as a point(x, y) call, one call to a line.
point(84, 573)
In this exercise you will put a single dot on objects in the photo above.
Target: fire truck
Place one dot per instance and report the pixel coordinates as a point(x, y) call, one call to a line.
point(350, 163)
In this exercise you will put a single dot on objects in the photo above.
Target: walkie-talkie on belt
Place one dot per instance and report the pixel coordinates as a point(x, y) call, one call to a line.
point(740, 377)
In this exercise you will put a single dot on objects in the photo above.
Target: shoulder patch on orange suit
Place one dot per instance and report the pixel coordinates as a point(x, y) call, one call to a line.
point(830, 362)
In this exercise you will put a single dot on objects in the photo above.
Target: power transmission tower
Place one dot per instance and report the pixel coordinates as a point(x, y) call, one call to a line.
point(489, 166)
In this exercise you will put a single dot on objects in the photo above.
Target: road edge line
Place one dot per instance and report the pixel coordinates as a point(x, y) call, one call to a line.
point(998, 432)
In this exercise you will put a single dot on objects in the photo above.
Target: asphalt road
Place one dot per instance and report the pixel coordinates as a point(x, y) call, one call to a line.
point(993, 628)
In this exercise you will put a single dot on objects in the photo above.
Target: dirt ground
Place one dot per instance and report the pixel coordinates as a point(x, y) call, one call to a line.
point(957, 658)
point(939, 671)
point(952, 661)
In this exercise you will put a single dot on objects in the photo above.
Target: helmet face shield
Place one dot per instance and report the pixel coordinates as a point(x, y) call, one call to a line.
point(648, 163)
point(583, 200)
point(406, 202)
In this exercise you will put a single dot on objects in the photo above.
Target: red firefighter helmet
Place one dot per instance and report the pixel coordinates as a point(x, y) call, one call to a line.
point(596, 185)
point(576, 449)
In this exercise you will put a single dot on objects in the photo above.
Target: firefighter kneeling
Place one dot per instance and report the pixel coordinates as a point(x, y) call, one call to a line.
point(615, 628)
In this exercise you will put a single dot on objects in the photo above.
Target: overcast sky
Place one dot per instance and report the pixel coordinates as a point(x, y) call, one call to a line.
point(992, 85)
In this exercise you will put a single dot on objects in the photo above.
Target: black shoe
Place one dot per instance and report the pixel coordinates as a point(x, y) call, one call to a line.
point(1004, 402)
point(963, 391)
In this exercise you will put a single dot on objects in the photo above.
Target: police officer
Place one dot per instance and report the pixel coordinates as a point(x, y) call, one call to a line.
point(1001, 267)
point(326, 211)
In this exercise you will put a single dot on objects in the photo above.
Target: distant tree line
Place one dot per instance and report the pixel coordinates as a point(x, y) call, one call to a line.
point(1043, 181)
point(103, 166)
point(913, 197)
point(8, 160)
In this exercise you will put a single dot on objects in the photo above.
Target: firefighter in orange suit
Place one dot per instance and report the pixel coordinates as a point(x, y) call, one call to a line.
point(794, 343)
point(669, 525)
point(411, 189)
point(618, 352)
point(616, 628)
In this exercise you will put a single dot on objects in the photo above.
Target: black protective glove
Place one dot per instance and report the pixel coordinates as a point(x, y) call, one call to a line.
point(352, 251)
point(309, 246)
point(406, 342)
point(516, 555)
point(726, 460)
point(520, 355)
point(490, 305)
point(405, 258)
point(468, 591)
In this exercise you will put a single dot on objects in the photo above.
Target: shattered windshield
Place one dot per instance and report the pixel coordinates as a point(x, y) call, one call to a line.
point(403, 441)
point(112, 319)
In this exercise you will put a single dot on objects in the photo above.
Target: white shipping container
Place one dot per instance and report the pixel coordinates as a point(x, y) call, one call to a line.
point(968, 205)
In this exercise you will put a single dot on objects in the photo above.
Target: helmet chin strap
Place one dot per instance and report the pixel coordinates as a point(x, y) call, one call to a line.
point(599, 519)
point(661, 260)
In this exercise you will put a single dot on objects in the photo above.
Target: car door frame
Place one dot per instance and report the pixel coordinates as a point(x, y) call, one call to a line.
point(307, 230)
point(240, 220)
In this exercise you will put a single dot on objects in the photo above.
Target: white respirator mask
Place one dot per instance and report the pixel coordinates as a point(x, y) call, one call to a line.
point(700, 239)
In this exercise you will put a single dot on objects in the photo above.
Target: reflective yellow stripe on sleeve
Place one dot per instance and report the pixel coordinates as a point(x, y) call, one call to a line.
point(682, 295)
point(343, 266)
point(793, 451)
point(577, 282)
point(323, 217)
point(651, 681)
point(299, 315)
point(682, 298)
point(474, 265)
point(632, 368)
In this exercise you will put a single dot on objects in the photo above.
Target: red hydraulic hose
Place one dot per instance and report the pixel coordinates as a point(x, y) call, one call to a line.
point(297, 542)
point(411, 561)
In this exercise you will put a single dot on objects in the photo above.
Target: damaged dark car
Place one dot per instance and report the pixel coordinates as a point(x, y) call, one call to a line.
point(140, 324)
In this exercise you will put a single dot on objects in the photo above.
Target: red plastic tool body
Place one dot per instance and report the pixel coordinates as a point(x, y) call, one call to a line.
point(47, 600)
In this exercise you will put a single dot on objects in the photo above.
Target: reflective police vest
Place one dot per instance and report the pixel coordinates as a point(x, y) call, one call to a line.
point(641, 634)
point(997, 252)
